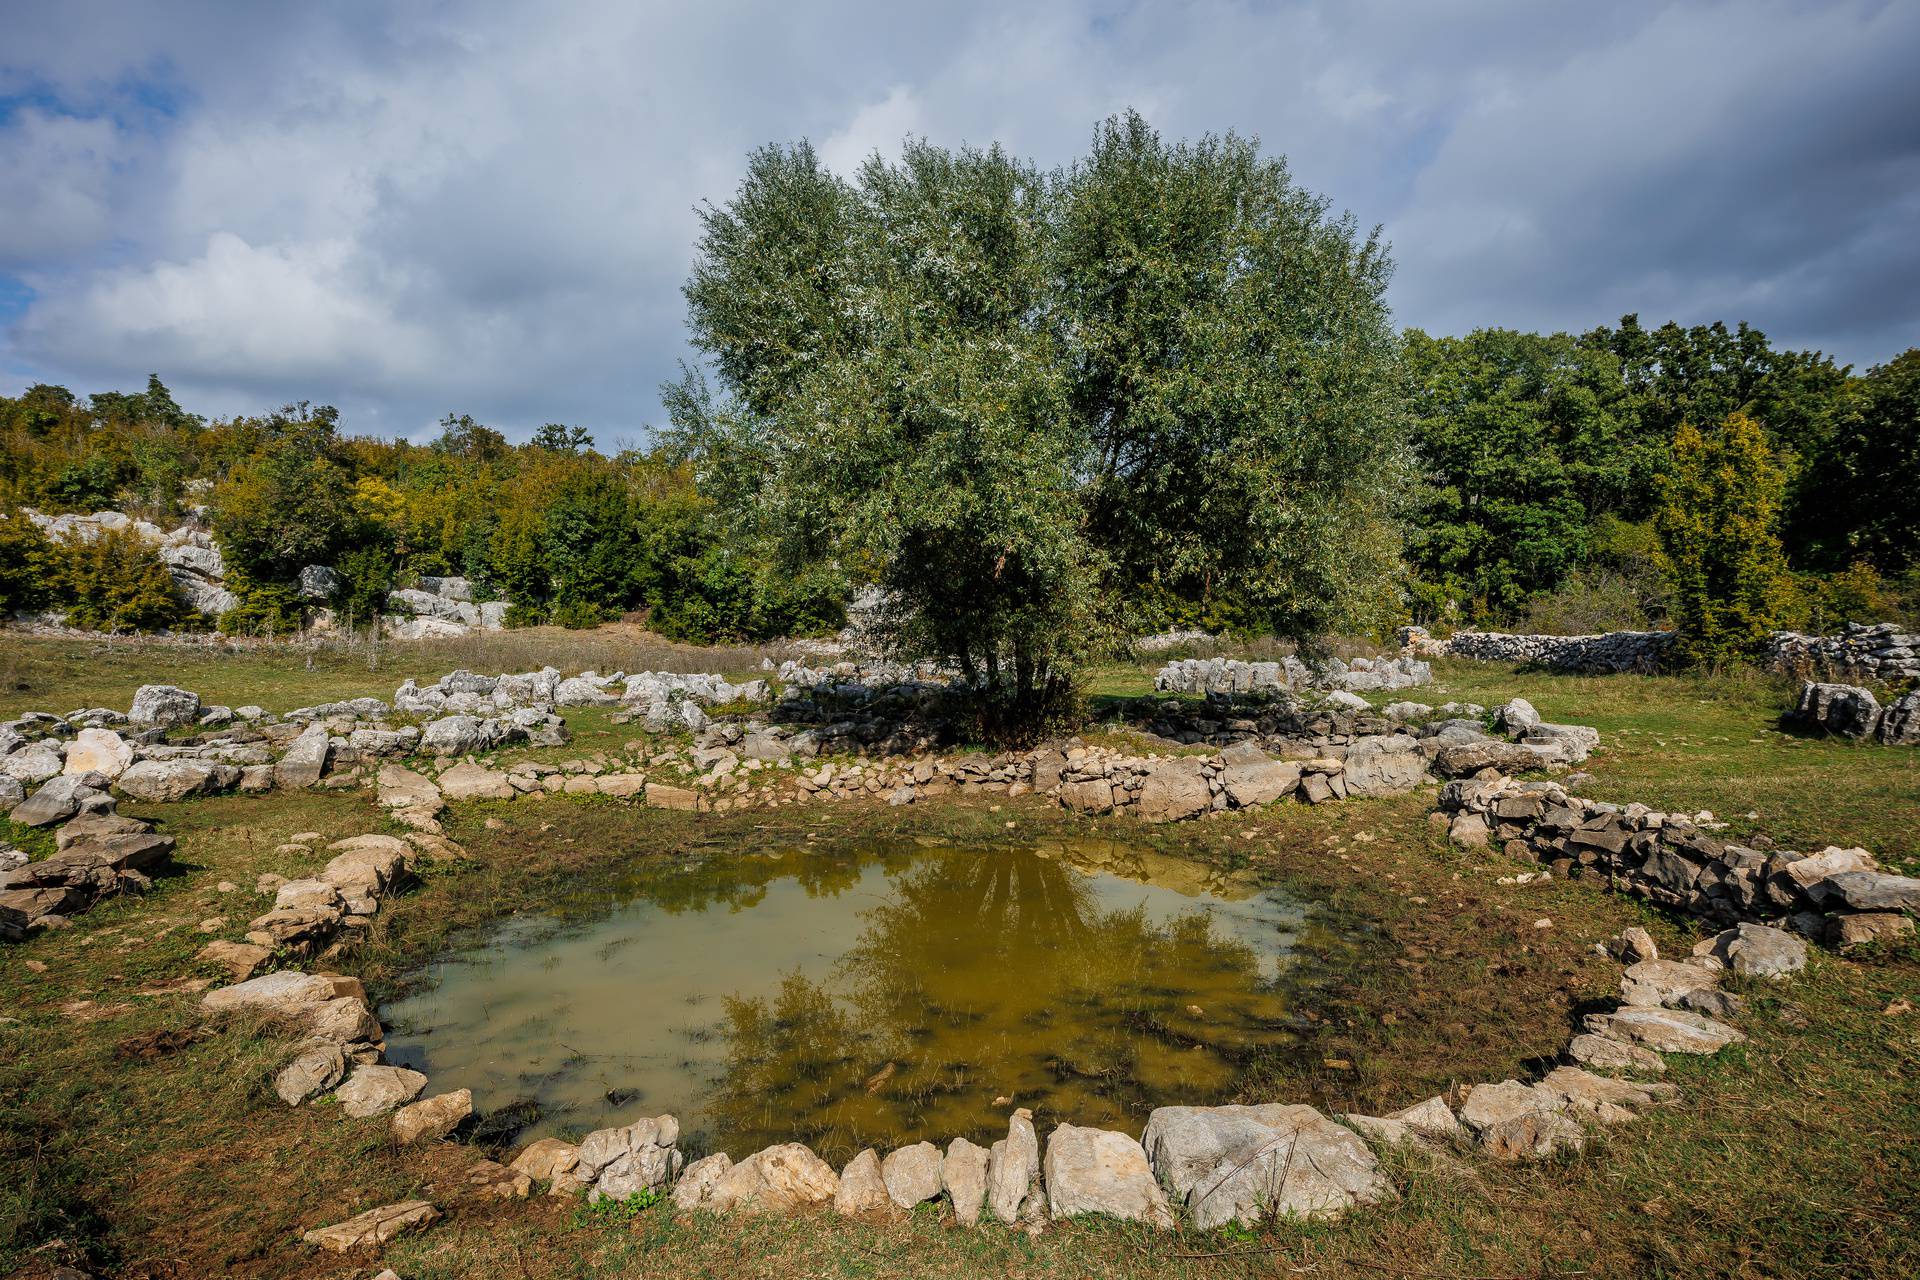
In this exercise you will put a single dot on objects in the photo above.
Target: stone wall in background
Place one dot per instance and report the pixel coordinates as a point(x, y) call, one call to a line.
point(1878, 652)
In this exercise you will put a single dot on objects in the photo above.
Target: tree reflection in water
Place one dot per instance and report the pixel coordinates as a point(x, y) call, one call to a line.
point(989, 974)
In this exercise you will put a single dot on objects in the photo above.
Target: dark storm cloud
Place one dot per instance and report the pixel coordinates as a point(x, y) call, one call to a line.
point(489, 208)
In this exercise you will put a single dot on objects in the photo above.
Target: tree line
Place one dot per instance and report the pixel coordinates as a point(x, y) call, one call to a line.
point(1047, 410)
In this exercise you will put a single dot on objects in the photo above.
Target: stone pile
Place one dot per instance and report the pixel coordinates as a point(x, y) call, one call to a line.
point(439, 609)
point(336, 906)
point(1849, 711)
point(97, 854)
point(1837, 895)
point(1232, 676)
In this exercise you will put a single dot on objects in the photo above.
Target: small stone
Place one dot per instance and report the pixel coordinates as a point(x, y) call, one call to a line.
point(1430, 1119)
point(1632, 945)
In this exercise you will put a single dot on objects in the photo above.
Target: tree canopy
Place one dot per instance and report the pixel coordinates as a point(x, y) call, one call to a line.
point(1032, 403)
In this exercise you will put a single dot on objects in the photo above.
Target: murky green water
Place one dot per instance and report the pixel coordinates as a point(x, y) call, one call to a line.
point(868, 995)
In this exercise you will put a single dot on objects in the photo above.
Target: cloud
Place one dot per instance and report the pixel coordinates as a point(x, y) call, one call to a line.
point(489, 207)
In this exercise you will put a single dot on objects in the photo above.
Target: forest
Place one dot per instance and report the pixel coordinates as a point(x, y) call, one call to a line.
point(1538, 462)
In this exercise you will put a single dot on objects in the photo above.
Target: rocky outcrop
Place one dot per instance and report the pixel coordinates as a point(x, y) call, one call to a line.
point(1849, 711)
point(441, 608)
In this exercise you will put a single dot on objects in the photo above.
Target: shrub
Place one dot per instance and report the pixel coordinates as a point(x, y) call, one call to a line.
point(116, 582)
point(1718, 524)
point(265, 608)
point(26, 564)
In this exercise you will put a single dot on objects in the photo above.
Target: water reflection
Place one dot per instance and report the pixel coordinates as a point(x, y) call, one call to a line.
point(868, 996)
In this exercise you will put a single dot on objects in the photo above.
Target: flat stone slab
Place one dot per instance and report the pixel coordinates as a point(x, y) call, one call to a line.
point(1667, 1030)
point(1240, 1163)
point(1598, 1053)
point(376, 1090)
point(374, 1227)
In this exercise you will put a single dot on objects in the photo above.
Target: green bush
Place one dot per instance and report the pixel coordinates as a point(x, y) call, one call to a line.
point(116, 582)
point(265, 608)
point(26, 564)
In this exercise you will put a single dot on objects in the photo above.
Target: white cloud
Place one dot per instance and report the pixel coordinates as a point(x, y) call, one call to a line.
point(488, 207)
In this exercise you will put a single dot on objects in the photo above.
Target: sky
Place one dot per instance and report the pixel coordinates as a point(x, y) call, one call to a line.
point(445, 207)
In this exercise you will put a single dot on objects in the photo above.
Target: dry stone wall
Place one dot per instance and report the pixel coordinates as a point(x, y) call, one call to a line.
point(1837, 895)
point(1882, 651)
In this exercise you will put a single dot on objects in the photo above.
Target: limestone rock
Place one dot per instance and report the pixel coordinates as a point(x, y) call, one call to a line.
point(1100, 1171)
point(57, 799)
point(1667, 1030)
point(374, 1227)
point(1859, 890)
point(1604, 1098)
point(781, 1179)
point(305, 761)
point(314, 1070)
point(170, 781)
point(376, 1090)
point(1532, 1135)
point(623, 1161)
point(1430, 1119)
point(1601, 1054)
point(163, 706)
point(1487, 1105)
point(1013, 1167)
point(1858, 928)
point(99, 751)
point(695, 1188)
point(547, 1160)
point(1174, 789)
point(399, 787)
point(431, 1119)
point(1632, 946)
point(912, 1174)
point(469, 781)
point(963, 1174)
point(1666, 982)
point(863, 1187)
point(1388, 1133)
point(662, 796)
point(1251, 782)
point(1384, 765)
point(1236, 1163)
point(241, 960)
point(1757, 951)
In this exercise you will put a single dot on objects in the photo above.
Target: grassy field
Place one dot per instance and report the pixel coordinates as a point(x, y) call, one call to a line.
point(143, 1142)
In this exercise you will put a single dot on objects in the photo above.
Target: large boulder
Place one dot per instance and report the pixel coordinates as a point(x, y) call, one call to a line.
point(1097, 1171)
point(1174, 789)
point(455, 735)
point(164, 706)
point(1844, 710)
point(1756, 951)
point(1237, 1163)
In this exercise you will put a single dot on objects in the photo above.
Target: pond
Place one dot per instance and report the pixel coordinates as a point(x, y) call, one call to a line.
point(869, 994)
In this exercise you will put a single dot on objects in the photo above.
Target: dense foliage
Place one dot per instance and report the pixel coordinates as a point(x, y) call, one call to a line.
point(1040, 406)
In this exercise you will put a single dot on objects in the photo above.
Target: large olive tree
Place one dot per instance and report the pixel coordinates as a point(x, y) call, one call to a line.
point(1034, 406)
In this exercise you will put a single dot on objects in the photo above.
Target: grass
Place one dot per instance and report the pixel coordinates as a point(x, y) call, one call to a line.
point(1789, 1156)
